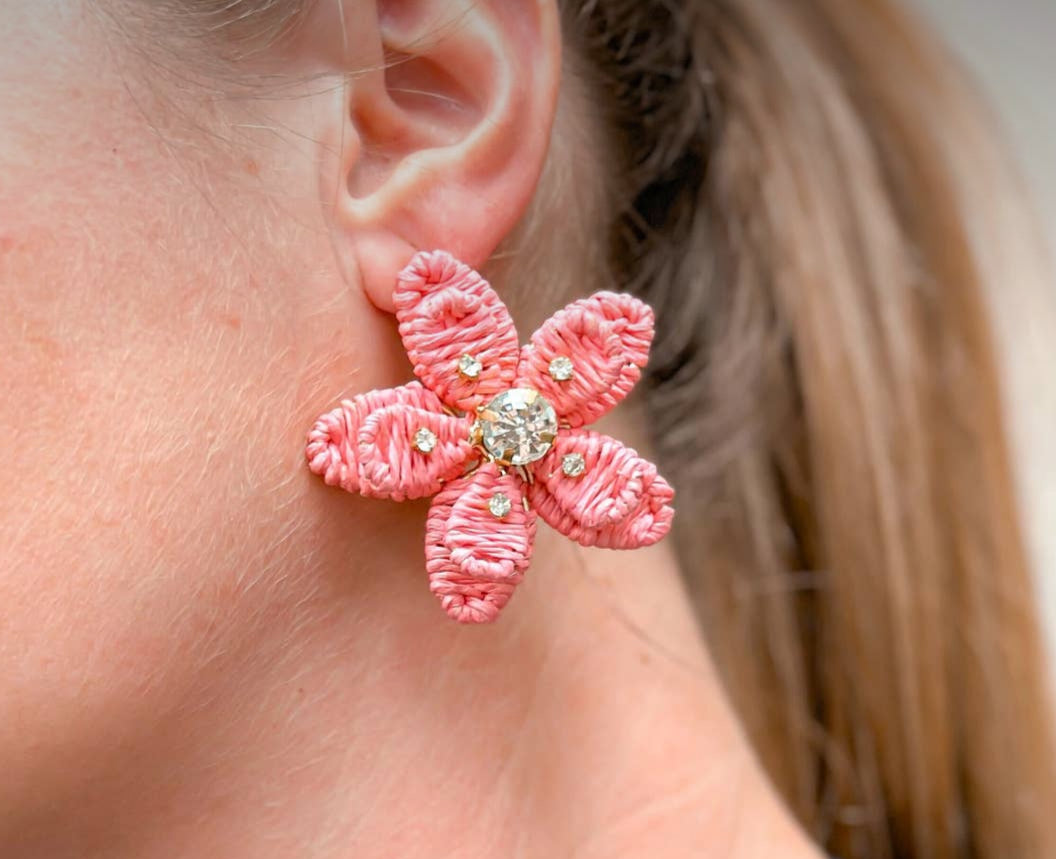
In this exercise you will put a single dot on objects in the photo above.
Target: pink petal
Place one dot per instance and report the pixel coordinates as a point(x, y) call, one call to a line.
point(390, 466)
point(474, 559)
point(447, 310)
point(607, 338)
point(333, 448)
point(618, 502)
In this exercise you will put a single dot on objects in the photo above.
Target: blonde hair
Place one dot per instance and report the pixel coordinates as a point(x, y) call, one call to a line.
point(826, 394)
point(797, 186)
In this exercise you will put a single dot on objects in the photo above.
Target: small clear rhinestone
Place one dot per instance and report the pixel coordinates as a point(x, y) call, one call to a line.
point(573, 464)
point(469, 367)
point(500, 505)
point(561, 369)
point(518, 427)
point(425, 440)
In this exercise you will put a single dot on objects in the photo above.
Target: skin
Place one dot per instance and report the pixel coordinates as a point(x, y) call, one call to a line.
point(204, 651)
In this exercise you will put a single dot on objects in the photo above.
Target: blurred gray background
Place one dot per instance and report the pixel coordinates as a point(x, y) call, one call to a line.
point(1010, 47)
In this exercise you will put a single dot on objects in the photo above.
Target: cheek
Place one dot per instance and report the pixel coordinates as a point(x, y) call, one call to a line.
point(160, 528)
point(123, 446)
point(168, 332)
point(156, 515)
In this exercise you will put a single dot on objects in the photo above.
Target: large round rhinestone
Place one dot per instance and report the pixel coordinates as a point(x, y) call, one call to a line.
point(518, 427)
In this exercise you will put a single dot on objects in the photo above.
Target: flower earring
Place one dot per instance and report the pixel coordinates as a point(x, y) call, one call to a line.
point(495, 432)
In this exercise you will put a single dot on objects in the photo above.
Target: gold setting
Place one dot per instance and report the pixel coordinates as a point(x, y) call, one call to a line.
point(425, 440)
point(562, 369)
point(500, 505)
point(469, 367)
point(516, 428)
point(573, 465)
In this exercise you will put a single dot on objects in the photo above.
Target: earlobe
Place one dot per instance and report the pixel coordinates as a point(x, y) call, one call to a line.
point(444, 144)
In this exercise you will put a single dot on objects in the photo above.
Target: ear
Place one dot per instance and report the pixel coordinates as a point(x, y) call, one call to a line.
point(442, 138)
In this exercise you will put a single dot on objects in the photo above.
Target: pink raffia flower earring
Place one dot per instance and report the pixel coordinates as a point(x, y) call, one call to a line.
point(495, 432)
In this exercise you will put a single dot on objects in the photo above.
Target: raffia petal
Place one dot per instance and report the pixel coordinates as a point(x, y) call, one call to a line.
point(390, 466)
point(446, 310)
point(607, 338)
point(333, 442)
point(483, 545)
point(474, 560)
point(618, 502)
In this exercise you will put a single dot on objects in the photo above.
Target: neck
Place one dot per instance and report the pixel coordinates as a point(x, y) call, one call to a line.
point(344, 715)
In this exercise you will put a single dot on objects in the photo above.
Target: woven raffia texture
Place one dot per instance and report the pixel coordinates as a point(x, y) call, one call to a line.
point(476, 554)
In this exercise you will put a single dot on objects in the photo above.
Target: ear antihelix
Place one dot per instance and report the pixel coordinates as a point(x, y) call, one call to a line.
point(452, 136)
